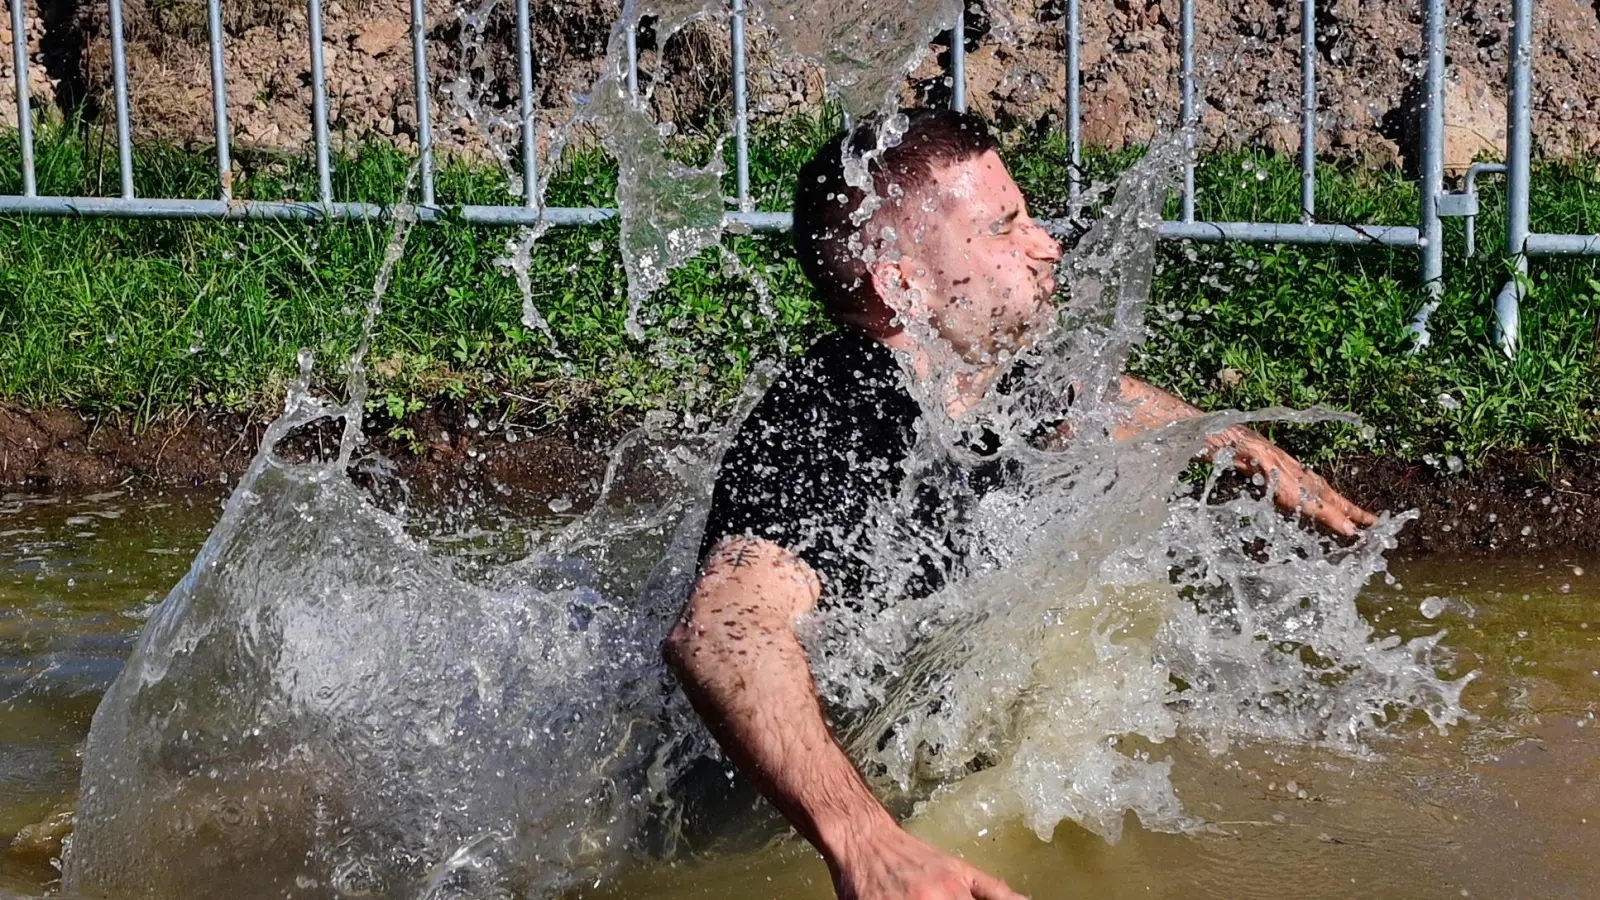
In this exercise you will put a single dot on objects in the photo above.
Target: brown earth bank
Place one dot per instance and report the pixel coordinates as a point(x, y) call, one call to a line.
point(1509, 503)
point(1368, 54)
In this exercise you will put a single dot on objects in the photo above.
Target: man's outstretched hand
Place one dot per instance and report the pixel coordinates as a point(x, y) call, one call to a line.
point(1298, 489)
point(890, 864)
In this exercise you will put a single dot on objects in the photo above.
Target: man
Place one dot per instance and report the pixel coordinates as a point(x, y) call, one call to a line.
point(943, 261)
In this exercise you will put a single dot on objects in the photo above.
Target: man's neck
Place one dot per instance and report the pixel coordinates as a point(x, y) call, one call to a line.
point(961, 391)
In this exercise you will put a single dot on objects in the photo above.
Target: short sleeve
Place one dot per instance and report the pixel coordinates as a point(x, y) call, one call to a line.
point(805, 466)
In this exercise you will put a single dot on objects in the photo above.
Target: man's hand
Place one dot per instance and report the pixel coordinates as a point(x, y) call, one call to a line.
point(890, 864)
point(1297, 489)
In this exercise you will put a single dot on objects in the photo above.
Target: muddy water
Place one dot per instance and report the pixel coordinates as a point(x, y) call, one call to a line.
point(1506, 807)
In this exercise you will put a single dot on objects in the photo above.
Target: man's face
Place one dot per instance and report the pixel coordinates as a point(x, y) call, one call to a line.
point(973, 262)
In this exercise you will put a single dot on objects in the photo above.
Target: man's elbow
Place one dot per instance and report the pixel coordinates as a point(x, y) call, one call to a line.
point(682, 648)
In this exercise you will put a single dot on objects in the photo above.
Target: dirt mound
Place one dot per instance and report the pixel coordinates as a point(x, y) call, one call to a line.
point(1369, 63)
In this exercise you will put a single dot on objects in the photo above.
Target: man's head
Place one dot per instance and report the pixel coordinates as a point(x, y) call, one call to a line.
point(951, 241)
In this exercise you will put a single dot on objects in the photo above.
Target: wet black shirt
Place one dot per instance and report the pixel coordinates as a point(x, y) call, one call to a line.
point(820, 453)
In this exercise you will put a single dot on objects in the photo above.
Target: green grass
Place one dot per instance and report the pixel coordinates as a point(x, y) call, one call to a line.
point(157, 318)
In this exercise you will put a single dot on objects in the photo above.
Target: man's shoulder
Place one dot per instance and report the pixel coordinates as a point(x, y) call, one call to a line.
point(842, 370)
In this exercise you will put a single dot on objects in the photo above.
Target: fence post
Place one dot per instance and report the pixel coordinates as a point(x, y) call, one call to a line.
point(1074, 113)
point(525, 110)
point(1508, 303)
point(1431, 181)
point(119, 82)
point(419, 75)
point(319, 106)
point(219, 101)
point(741, 110)
point(1308, 111)
point(1186, 103)
point(958, 59)
point(19, 61)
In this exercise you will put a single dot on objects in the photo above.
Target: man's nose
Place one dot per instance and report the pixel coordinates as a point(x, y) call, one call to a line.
point(1046, 248)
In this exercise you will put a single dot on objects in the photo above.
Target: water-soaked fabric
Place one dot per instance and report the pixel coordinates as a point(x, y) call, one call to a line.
point(813, 464)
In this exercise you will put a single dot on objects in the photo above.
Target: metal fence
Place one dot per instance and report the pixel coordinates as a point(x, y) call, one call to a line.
point(1426, 237)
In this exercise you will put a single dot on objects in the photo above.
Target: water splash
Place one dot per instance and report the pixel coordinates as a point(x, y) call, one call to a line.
point(326, 707)
point(865, 49)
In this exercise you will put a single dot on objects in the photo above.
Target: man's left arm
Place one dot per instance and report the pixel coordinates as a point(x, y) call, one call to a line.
point(1298, 489)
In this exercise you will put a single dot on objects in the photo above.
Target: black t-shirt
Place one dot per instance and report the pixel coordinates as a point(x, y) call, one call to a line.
point(816, 464)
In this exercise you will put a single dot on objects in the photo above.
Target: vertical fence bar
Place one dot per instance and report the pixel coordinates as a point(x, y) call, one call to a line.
point(1074, 112)
point(19, 59)
point(319, 104)
point(219, 101)
point(633, 60)
point(1308, 111)
point(958, 60)
point(530, 172)
point(1187, 78)
point(741, 112)
point(419, 80)
point(119, 86)
point(1519, 151)
point(1431, 182)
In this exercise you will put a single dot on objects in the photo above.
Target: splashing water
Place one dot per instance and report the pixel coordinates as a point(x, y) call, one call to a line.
point(670, 211)
point(323, 707)
point(865, 49)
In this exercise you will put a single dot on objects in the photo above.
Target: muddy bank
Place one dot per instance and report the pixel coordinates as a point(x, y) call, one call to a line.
point(1511, 503)
point(447, 452)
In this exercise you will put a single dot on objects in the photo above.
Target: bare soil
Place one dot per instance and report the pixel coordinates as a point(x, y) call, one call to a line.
point(1369, 58)
point(1511, 503)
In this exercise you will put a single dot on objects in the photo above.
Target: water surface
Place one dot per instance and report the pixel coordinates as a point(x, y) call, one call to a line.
point(1504, 807)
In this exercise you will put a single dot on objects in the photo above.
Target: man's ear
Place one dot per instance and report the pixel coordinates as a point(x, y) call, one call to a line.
point(893, 288)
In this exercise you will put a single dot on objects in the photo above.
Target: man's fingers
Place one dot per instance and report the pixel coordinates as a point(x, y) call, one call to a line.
point(1362, 516)
point(988, 887)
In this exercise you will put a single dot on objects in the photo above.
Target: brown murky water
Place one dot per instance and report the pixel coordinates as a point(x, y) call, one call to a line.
point(1506, 807)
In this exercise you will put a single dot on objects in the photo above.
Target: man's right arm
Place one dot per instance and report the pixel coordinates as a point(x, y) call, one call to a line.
point(742, 666)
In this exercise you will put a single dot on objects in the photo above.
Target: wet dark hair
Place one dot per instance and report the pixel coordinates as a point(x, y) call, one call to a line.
point(825, 205)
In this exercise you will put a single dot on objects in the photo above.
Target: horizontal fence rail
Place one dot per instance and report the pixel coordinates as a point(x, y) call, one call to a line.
point(1426, 237)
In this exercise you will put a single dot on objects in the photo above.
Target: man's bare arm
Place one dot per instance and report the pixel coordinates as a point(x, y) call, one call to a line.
point(742, 666)
point(1298, 488)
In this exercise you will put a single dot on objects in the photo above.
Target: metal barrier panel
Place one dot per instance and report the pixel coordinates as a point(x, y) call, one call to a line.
point(1426, 236)
point(1521, 242)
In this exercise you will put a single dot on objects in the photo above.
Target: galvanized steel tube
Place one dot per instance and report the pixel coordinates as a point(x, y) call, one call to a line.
point(1308, 110)
point(119, 87)
point(1074, 111)
point(290, 210)
point(219, 101)
point(530, 147)
point(1186, 39)
point(165, 208)
point(1519, 151)
point(1561, 245)
point(958, 60)
point(741, 112)
point(1431, 183)
point(19, 60)
point(633, 60)
point(1319, 234)
point(419, 66)
point(319, 104)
